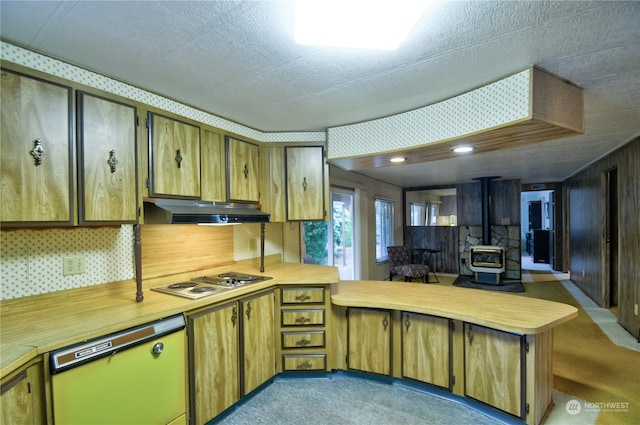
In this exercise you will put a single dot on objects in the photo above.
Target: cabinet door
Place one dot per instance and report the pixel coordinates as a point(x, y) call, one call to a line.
point(494, 368)
point(426, 349)
point(174, 158)
point(213, 179)
point(305, 182)
point(22, 397)
point(107, 160)
point(243, 170)
point(258, 362)
point(272, 181)
point(36, 161)
point(213, 350)
point(369, 340)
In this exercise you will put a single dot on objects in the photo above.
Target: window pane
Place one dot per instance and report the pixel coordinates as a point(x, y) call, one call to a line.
point(315, 239)
point(384, 228)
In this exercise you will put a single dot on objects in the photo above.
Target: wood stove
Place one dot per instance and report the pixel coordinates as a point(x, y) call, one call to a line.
point(487, 263)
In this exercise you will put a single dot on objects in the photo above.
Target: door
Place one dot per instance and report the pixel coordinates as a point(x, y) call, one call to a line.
point(258, 345)
point(426, 354)
point(106, 160)
point(369, 340)
point(36, 161)
point(335, 242)
point(214, 362)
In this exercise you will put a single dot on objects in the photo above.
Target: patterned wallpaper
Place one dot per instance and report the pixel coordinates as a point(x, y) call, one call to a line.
point(31, 260)
point(36, 61)
point(495, 104)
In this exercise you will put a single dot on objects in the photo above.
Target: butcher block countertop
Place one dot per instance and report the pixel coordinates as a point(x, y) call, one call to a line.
point(497, 310)
point(38, 324)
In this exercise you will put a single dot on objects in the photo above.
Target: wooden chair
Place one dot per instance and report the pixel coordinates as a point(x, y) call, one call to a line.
point(400, 265)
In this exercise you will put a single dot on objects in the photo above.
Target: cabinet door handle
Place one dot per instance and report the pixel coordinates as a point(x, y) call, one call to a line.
point(112, 161)
point(37, 152)
point(304, 184)
point(178, 158)
point(234, 315)
point(470, 335)
point(385, 323)
point(407, 322)
point(248, 310)
point(246, 171)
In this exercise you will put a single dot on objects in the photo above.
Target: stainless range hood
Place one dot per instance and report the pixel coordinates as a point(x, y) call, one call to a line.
point(181, 211)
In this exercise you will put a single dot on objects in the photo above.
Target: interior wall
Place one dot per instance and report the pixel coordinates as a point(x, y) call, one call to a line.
point(587, 208)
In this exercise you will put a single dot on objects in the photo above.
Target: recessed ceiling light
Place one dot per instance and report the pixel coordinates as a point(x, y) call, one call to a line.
point(398, 159)
point(364, 24)
point(462, 149)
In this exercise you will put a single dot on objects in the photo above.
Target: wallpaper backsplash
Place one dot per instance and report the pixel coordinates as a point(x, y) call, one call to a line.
point(31, 260)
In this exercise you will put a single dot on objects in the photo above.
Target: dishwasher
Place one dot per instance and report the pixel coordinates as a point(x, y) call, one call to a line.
point(136, 376)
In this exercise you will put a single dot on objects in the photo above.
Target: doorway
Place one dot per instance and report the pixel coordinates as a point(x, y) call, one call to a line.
point(611, 251)
point(333, 242)
point(536, 230)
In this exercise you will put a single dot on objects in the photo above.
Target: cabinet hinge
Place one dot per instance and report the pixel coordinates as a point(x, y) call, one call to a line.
point(137, 121)
point(526, 408)
point(452, 326)
point(453, 380)
point(146, 122)
point(346, 360)
point(146, 182)
point(29, 387)
point(526, 346)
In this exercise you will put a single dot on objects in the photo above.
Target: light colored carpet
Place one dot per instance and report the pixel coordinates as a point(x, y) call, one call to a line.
point(341, 400)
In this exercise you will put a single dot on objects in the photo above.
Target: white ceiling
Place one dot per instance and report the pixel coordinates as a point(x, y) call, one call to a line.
point(238, 60)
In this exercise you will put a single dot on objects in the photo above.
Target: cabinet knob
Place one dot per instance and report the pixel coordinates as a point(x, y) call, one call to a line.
point(178, 158)
point(304, 184)
point(246, 171)
point(112, 161)
point(248, 312)
point(37, 152)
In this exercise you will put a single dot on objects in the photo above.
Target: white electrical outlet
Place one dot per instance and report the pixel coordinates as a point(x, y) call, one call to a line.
point(73, 265)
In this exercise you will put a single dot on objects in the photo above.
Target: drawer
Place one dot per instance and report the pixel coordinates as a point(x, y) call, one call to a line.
point(303, 339)
point(301, 362)
point(302, 295)
point(303, 317)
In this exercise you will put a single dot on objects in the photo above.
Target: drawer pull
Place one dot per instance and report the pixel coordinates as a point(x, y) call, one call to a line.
point(37, 152)
point(302, 320)
point(304, 365)
point(303, 342)
point(302, 298)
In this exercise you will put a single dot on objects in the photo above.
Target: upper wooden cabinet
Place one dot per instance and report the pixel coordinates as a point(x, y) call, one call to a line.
point(305, 182)
point(37, 155)
point(212, 161)
point(273, 190)
point(174, 158)
point(243, 172)
point(107, 160)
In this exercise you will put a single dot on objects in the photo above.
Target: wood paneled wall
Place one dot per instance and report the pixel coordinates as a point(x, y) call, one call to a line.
point(505, 203)
point(588, 247)
point(444, 238)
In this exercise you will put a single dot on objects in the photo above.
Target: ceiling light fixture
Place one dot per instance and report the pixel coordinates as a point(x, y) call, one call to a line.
point(364, 24)
point(462, 149)
point(398, 159)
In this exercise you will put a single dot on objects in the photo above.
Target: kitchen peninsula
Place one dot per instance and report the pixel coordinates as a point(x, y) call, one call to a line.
point(473, 325)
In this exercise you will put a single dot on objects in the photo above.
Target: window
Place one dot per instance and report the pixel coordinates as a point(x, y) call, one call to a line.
point(384, 228)
point(417, 214)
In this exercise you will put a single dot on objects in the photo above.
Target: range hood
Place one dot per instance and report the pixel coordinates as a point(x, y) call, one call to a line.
point(181, 211)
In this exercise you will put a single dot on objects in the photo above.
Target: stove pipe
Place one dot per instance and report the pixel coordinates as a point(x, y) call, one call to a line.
point(486, 207)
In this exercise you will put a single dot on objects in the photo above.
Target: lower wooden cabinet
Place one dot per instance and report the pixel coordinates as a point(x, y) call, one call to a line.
point(214, 358)
point(303, 328)
point(22, 397)
point(258, 355)
point(495, 368)
point(426, 349)
point(231, 352)
point(369, 340)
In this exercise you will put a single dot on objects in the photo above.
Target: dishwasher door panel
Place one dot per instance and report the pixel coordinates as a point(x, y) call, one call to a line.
point(133, 386)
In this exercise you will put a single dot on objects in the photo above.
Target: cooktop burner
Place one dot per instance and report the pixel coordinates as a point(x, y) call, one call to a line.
point(202, 286)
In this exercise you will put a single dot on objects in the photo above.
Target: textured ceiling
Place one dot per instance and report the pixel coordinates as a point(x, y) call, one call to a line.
point(238, 60)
